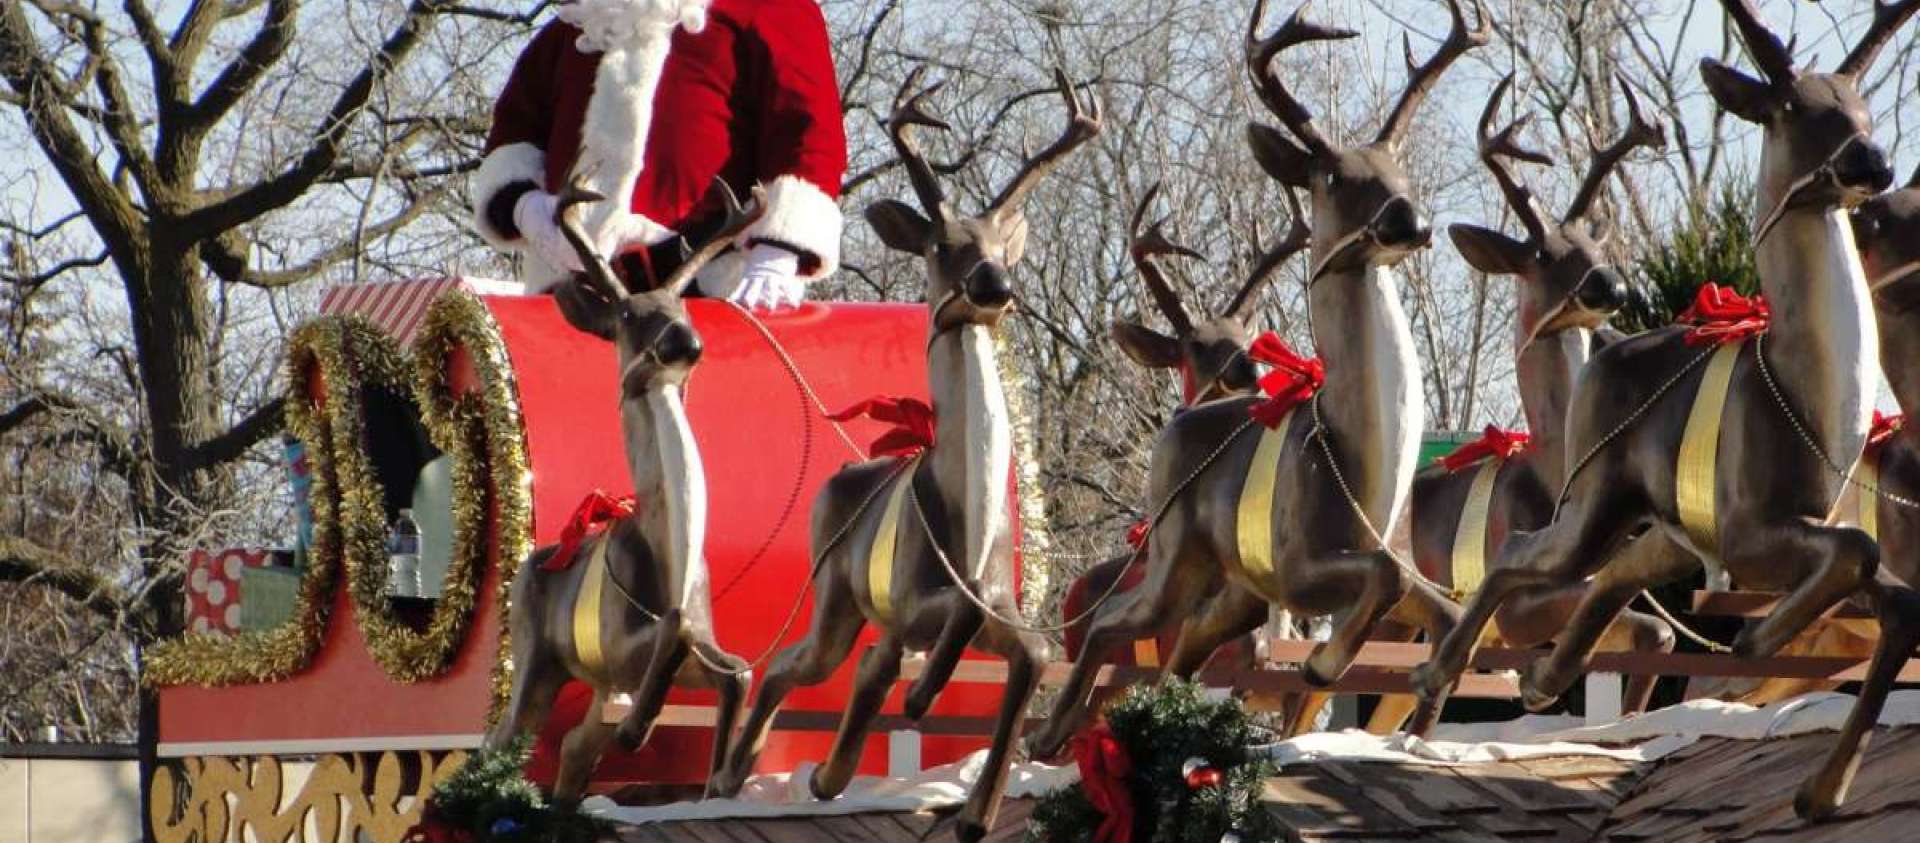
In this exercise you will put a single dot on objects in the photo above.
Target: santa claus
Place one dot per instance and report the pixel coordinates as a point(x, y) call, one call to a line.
point(652, 100)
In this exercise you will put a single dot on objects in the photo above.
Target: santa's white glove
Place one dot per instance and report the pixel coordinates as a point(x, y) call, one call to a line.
point(771, 280)
point(533, 215)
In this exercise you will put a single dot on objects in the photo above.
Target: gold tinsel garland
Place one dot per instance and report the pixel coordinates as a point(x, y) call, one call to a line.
point(458, 320)
point(402, 653)
point(317, 348)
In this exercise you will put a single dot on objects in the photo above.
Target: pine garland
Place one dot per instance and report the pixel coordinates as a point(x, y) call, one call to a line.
point(1162, 727)
point(489, 799)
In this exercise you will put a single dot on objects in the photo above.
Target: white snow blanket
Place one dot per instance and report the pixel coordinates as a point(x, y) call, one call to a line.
point(1646, 737)
point(786, 794)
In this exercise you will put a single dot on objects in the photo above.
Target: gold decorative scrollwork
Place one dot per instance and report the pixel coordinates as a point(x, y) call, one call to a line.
point(346, 798)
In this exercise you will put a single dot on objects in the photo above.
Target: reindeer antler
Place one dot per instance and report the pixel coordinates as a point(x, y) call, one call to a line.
point(1774, 58)
point(1260, 53)
point(1639, 133)
point(1503, 145)
point(909, 110)
point(1422, 77)
point(1887, 19)
point(1142, 247)
point(566, 213)
point(738, 219)
point(1298, 235)
point(1083, 124)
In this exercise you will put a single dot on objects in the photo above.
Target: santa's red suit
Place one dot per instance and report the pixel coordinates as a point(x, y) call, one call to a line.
point(653, 99)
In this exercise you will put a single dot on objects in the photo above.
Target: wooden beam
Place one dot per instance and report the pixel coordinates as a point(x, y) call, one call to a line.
point(1758, 604)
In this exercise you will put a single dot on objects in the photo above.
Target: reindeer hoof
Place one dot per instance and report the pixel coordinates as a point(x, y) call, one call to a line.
point(1315, 673)
point(1427, 682)
point(630, 738)
point(1042, 746)
point(1811, 804)
point(723, 784)
point(1532, 696)
point(968, 831)
point(1746, 645)
point(915, 706)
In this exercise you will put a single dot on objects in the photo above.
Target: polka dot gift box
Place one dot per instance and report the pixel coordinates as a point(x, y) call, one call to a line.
point(213, 587)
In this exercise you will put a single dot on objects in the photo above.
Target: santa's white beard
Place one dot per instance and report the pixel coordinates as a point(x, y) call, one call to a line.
point(607, 24)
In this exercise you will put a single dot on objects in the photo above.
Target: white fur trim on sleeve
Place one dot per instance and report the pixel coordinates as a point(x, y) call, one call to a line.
point(514, 162)
point(802, 215)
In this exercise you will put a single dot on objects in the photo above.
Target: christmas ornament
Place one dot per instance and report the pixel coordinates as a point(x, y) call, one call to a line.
point(1201, 774)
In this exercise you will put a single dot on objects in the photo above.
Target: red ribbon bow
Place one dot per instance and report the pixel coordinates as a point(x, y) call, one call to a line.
point(1501, 444)
point(912, 421)
point(1884, 428)
point(1104, 769)
point(1720, 316)
point(1294, 378)
point(1137, 534)
point(596, 509)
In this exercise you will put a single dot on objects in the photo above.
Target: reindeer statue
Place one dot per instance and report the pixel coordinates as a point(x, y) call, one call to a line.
point(921, 546)
point(1292, 510)
point(1738, 460)
point(622, 609)
point(1463, 512)
point(1887, 231)
point(1213, 362)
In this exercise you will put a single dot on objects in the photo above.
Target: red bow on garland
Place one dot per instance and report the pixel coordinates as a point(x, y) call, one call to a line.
point(912, 421)
point(1720, 316)
point(596, 509)
point(1884, 428)
point(1104, 769)
point(1501, 444)
point(1137, 534)
point(1294, 378)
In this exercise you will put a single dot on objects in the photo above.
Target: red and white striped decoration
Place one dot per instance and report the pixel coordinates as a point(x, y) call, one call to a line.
point(398, 307)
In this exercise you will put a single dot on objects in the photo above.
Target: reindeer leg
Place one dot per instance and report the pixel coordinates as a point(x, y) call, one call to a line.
point(836, 623)
point(1547, 677)
point(1638, 632)
point(1562, 552)
point(1232, 612)
point(1126, 616)
point(579, 752)
point(1025, 652)
point(1379, 584)
point(878, 669)
point(1843, 559)
point(1899, 611)
point(732, 684)
point(963, 623)
point(668, 651)
point(537, 677)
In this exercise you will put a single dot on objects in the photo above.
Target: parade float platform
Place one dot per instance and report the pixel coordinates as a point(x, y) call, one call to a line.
point(1697, 772)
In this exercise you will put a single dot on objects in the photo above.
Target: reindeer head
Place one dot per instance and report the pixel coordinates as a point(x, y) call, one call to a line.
point(1211, 355)
point(657, 343)
point(968, 258)
point(1818, 150)
point(1569, 282)
point(1887, 231)
point(1363, 207)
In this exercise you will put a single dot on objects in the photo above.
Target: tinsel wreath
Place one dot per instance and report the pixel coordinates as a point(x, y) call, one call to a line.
point(1164, 729)
point(317, 348)
point(458, 325)
point(402, 653)
point(488, 799)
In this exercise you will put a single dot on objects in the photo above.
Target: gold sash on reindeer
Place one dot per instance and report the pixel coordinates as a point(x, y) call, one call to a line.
point(1254, 521)
point(586, 609)
point(1693, 478)
point(885, 541)
point(1868, 477)
point(1470, 535)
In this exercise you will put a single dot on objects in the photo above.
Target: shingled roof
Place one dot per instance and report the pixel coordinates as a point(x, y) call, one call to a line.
point(1717, 789)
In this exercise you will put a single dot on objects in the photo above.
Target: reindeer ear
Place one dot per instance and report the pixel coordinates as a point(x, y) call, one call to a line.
point(900, 226)
point(1015, 232)
point(1490, 251)
point(1745, 97)
point(1286, 161)
point(1146, 346)
point(585, 309)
